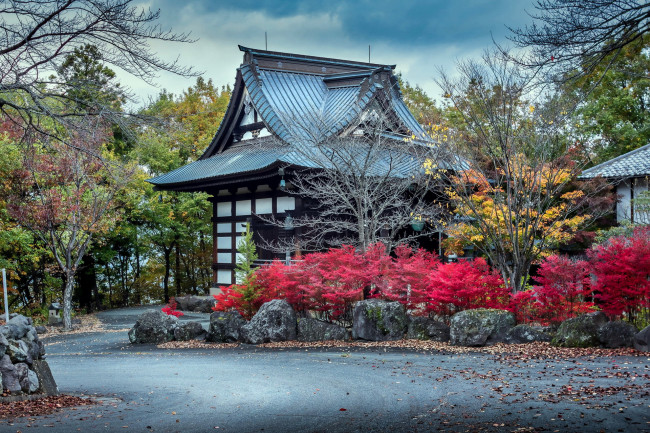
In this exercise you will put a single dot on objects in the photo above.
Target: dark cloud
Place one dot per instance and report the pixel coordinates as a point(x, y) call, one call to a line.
point(398, 22)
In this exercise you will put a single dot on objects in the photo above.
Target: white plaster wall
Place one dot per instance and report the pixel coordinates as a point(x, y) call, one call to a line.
point(641, 216)
point(623, 207)
point(224, 209)
point(286, 203)
point(224, 276)
point(623, 204)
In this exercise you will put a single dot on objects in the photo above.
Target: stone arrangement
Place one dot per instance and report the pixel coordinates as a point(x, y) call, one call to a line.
point(195, 303)
point(23, 369)
point(377, 320)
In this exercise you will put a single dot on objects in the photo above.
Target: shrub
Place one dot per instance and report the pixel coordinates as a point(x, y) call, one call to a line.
point(407, 275)
point(170, 308)
point(621, 270)
point(563, 290)
point(465, 285)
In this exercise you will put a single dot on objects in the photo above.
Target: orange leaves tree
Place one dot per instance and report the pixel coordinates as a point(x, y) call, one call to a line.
point(65, 194)
point(516, 196)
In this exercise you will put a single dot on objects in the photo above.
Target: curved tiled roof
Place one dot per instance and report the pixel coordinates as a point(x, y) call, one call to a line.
point(301, 100)
point(632, 164)
point(267, 154)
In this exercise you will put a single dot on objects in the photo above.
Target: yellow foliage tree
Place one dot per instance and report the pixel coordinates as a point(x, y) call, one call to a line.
point(514, 191)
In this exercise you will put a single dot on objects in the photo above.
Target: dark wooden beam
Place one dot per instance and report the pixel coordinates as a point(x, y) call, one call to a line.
point(250, 127)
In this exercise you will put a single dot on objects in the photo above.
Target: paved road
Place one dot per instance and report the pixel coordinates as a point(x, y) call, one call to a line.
point(250, 389)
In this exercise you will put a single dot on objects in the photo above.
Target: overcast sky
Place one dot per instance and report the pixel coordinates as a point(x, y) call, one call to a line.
point(417, 36)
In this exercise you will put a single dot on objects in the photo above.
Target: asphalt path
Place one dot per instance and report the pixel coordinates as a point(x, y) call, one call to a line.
point(249, 389)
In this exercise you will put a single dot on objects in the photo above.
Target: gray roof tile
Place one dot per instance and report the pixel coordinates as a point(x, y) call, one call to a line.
point(299, 107)
point(632, 164)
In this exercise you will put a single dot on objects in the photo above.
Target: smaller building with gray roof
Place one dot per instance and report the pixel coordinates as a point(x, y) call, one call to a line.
point(629, 173)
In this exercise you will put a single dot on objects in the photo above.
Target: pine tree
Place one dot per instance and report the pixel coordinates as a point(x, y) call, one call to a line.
point(246, 257)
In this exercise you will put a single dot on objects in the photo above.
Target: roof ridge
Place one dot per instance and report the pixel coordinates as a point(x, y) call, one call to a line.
point(313, 59)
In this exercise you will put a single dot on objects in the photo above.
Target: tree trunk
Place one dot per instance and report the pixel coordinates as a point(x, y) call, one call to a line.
point(67, 300)
point(136, 292)
point(177, 268)
point(87, 281)
point(167, 269)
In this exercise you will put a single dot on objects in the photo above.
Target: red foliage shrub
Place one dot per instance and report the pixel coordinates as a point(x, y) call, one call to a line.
point(170, 308)
point(621, 270)
point(464, 285)
point(245, 298)
point(563, 290)
point(526, 307)
point(407, 276)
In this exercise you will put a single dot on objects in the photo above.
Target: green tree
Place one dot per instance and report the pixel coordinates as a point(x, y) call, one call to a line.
point(246, 257)
point(614, 115)
point(179, 224)
point(423, 107)
point(64, 196)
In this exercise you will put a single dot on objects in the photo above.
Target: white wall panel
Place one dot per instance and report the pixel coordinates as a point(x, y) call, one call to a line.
point(286, 204)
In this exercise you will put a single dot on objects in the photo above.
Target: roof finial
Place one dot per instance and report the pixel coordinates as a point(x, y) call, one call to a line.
point(266, 42)
point(368, 53)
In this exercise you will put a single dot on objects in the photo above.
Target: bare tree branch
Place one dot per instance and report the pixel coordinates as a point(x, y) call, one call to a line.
point(572, 37)
point(37, 36)
point(365, 186)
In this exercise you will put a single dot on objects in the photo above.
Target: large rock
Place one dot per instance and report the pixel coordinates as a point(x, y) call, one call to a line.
point(377, 320)
point(225, 326)
point(3, 344)
point(521, 334)
point(16, 328)
point(479, 327)
point(275, 321)
point(616, 334)
point(316, 330)
point(196, 304)
point(47, 385)
point(26, 378)
point(642, 340)
point(581, 331)
point(20, 356)
point(189, 331)
point(153, 326)
point(18, 351)
point(10, 379)
point(424, 328)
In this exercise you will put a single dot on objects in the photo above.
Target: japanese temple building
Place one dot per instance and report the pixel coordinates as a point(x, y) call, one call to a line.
point(243, 168)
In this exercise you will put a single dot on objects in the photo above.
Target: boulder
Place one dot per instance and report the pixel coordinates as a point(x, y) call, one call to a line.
point(642, 340)
point(18, 351)
point(36, 350)
point(225, 326)
point(479, 327)
point(275, 321)
point(581, 331)
point(616, 334)
point(21, 326)
point(196, 304)
point(521, 334)
point(26, 378)
point(3, 344)
point(316, 330)
point(41, 330)
point(377, 320)
point(10, 380)
point(424, 328)
point(189, 331)
point(46, 381)
point(153, 326)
